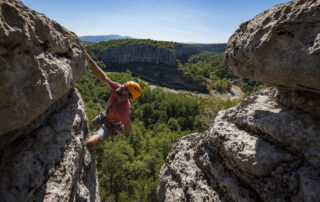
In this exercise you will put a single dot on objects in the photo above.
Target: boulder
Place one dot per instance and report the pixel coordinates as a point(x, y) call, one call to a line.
point(39, 62)
point(280, 46)
point(258, 150)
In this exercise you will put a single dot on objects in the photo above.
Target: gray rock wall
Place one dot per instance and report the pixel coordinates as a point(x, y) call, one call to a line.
point(280, 46)
point(267, 147)
point(51, 163)
point(43, 125)
point(138, 53)
point(154, 64)
point(259, 150)
point(37, 57)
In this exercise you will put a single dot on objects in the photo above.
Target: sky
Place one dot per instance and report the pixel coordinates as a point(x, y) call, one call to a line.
point(189, 21)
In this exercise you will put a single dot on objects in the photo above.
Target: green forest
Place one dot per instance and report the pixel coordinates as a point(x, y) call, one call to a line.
point(96, 48)
point(209, 67)
point(129, 164)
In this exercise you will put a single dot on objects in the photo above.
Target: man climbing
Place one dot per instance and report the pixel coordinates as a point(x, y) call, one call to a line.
point(118, 107)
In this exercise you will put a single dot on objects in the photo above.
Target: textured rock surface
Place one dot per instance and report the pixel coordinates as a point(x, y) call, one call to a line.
point(180, 178)
point(138, 53)
point(39, 62)
point(51, 163)
point(267, 148)
point(43, 124)
point(258, 150)
point(280, 46)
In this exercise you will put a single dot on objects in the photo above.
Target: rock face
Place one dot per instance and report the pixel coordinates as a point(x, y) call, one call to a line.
point(138, 53)
point(43, 121)
point(280, 46)
point(39, 62)
point(267, 147)
point(157, 64)
point(258, 150)
point(51, 163)
point(152, 63)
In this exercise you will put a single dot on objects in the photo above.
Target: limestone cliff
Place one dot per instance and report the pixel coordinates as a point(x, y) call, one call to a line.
point(156, 63)
point(153, 63)
point(267, 147)
point(43, 123)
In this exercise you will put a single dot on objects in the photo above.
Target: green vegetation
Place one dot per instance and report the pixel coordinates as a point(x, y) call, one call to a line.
point(204, 67)
point(129, 165)
point(94, 49)
point(208, 67)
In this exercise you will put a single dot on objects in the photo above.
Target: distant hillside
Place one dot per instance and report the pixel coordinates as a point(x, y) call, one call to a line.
point(88, 43)
point(217, 47)
point(97, 39)
point(194, 67)
point(154, 61)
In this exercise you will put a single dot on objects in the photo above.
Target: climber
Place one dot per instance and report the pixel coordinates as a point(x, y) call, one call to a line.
point(118, 108)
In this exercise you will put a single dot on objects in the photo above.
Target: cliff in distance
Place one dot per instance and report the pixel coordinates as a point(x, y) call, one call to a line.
point(99, 38)
point(43, 118)
point(153, 61)
point(267, 147)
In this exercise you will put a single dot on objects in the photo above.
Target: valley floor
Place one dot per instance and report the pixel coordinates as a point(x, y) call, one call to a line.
point(235, 93)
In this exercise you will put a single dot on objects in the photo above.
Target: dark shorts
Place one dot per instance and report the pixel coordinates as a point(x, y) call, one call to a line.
point(104, 130)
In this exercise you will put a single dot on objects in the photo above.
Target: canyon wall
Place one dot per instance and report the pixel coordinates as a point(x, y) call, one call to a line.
point(153, 63)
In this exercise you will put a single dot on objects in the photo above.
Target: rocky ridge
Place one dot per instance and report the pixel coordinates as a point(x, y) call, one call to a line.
point(43, 120)
point(267, 147)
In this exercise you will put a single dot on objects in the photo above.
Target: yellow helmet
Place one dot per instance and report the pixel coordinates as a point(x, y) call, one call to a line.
point(134, 89)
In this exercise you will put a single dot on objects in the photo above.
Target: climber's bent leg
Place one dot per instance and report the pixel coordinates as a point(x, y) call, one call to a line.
point(98, 137)
point(93, 142)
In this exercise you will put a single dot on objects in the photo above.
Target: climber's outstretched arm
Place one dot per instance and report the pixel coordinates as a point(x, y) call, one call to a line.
point(97, 70)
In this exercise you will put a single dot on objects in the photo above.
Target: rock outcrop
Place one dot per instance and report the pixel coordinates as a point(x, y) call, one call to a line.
point(280, 46)
point(267, 147)
point(39, 61)
point(43, 123)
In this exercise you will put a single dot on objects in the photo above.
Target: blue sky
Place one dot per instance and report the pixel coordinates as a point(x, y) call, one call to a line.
point(202, 21)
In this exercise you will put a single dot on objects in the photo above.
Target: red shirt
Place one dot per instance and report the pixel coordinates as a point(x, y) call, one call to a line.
point(118, 113)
